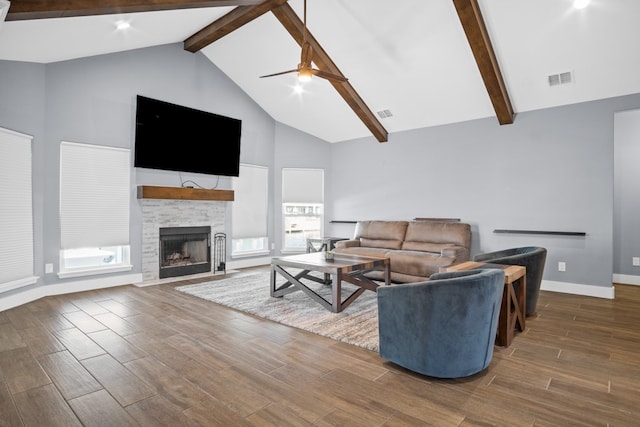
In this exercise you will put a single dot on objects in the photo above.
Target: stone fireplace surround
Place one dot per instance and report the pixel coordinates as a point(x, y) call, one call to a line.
point(158, 213)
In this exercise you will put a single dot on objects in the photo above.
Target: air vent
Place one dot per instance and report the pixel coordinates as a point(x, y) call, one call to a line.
point(383, 114)
point(560, 78)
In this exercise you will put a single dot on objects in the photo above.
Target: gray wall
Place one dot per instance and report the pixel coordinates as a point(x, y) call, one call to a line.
point(626, 223)
point(551, 170)
point(92, 100)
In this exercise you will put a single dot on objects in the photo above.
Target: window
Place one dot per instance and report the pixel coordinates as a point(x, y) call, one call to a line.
point(302, 207)
point(16, 214)
point(94, 209)
point(249, 211)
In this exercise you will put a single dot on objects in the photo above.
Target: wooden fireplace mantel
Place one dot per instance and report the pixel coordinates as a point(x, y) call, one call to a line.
point(183, 193)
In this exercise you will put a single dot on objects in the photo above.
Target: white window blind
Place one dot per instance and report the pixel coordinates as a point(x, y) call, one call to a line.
point(302, 185)
point(249, 208)
point(16, 214)
point(94, 195)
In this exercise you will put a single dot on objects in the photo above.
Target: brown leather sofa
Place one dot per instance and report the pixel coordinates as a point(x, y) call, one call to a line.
point(416, 249)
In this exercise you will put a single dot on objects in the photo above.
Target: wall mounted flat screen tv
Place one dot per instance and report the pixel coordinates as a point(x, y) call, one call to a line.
point(177, 138)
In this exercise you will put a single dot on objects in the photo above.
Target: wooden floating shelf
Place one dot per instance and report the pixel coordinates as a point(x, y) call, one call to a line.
point(183, 193)
point(551, 233)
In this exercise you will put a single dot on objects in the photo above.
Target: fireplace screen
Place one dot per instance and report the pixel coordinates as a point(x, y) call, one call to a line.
point(184, 251)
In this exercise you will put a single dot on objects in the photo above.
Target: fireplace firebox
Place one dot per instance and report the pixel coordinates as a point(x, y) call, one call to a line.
point(184, 251)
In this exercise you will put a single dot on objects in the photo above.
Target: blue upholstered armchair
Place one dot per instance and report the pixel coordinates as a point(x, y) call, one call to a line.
point(532, 257)
point(444, 327)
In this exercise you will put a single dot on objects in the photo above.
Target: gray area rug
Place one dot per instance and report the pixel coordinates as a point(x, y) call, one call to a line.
point(357, 324)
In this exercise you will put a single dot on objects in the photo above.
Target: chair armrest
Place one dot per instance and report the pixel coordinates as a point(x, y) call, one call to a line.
point(459, 253)
point(347, 243)
point(452, 274)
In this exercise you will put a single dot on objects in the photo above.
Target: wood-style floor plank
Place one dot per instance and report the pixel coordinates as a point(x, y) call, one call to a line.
point(21, 371)
point(124, 386)
point(69, 376)
point(79, 344)
point(116, 346)
point(99, 409)
point(10, 339)
point(8, 411)
point(44, 406)
point(154, 356)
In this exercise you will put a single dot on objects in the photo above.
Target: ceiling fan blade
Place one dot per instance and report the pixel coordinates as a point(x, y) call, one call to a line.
point(328, 76)
point(280, 73)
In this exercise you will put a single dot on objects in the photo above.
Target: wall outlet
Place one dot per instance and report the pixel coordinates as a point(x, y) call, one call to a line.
point(273, 246)
point(636, 261)
point(562, 266)
point(48, 268)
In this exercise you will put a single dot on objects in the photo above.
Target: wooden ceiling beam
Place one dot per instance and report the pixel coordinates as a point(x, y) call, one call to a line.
point(228, 23)
point(42, 9)
point(292, 23)
point(480, 43)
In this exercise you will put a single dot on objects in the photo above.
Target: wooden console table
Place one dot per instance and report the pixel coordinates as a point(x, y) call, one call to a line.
point(512, 309)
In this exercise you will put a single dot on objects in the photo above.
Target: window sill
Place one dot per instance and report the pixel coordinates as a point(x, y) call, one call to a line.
point(93, 271)
point(294, 251)
point(249, 254)
point(15, 284)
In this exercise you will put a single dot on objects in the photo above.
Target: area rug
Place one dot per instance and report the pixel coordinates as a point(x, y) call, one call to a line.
point(356, 325)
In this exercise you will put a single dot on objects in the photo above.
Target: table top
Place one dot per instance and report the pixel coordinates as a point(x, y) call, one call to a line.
point(511, 272)
point(344, 262)
point(326, 239)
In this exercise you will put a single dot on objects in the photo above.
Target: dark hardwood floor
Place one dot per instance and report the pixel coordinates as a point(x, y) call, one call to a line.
point(153, 356)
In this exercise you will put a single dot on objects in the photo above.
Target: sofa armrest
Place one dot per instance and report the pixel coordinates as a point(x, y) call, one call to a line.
point(347, 243)
point(459, 253)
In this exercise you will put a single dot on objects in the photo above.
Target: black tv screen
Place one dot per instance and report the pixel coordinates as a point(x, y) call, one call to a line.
point(177, 138)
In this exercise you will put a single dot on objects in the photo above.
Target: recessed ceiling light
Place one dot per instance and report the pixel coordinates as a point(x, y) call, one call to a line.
point(122, 25)
point(580, 4)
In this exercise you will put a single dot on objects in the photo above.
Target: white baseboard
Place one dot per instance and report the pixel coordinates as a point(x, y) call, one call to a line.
point(626, 279)
point(607, 292)
point(19, 298)
point(249, 262)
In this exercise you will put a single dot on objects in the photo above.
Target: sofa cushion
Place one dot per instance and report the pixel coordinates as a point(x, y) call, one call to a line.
point(381, 234)
point(436, 248)
point(433, 236)
point(417, 263)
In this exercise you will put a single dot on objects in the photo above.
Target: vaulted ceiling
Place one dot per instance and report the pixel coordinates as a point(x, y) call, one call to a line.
point(409, 63)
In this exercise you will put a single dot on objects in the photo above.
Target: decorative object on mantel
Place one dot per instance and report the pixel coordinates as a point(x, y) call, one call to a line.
point(184, 193)
point(356, 325)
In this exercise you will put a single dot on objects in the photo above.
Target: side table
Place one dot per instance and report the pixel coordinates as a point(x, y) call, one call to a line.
point(512, 309)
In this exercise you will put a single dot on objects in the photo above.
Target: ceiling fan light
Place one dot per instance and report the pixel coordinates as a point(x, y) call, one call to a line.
point(580, 4)
point(304, 75)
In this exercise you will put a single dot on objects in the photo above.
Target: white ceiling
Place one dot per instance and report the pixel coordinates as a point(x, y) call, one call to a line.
point(408, 56)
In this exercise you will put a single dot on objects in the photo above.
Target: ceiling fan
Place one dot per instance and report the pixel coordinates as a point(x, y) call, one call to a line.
point(305, 70)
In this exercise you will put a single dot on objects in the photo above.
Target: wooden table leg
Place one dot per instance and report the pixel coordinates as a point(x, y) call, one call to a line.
point(502, 336)
point(336, 292)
